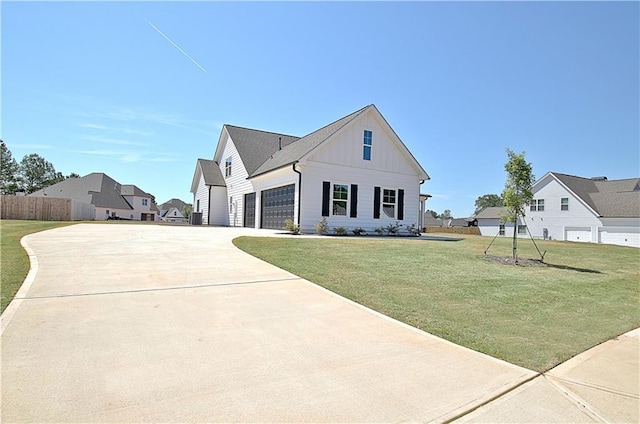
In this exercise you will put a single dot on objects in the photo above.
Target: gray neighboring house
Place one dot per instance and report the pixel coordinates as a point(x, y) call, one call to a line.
point(572, 208)
point(111, 199)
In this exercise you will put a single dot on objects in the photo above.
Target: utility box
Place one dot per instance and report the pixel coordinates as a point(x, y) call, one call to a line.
point(196, 218)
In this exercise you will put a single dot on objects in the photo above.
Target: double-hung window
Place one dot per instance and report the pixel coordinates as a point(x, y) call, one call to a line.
point(537, 205)
point(367, 142)
point(522, 229)
point(227, 167)
point(564, 204)
point(144, 202)
point(501, 232)
point(340, 198)
point(389, 203)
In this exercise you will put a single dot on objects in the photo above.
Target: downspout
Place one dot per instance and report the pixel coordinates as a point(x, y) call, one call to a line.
point(209, 207)
point(299, 189)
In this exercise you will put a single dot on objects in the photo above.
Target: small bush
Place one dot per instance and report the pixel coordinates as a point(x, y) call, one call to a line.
point(393, 229)
point(413, 230)
point(379, 230)
point(322, 226)
point(340, 231)
point(291, 227)
point(359, 231)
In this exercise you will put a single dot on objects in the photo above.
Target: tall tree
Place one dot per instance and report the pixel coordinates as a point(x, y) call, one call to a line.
point(37, 173)
point(9, 171)
point(517, 191)
point(487, 201)
point(446, 214)
point(432, 213)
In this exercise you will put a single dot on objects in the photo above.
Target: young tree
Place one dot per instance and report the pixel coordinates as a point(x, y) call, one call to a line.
point(486, 201)
point(446, 214)
point(186, 210)
point(37, 173)
point(9, 171)
point(517, 191)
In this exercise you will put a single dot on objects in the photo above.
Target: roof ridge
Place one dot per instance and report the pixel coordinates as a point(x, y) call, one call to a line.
point(262, 131)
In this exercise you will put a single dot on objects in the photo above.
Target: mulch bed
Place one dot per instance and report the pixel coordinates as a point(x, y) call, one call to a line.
point(508, 260)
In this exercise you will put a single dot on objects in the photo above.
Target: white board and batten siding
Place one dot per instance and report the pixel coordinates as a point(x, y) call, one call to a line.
point(237, 183)
point(340, 161)
point(201, 200)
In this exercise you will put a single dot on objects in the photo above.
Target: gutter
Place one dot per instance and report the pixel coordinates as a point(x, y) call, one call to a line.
point(299, 189)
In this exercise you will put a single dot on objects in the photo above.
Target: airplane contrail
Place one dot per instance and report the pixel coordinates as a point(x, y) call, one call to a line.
point(177, 47)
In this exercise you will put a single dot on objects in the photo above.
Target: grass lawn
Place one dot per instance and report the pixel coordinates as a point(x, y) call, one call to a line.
point(14, 260)
point(533, 316)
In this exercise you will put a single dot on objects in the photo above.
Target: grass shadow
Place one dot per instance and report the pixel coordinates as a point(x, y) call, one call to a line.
point(572, 268)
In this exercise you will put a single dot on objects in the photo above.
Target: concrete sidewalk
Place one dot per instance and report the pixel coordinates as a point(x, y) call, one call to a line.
point(599, 385)
point(144, 323)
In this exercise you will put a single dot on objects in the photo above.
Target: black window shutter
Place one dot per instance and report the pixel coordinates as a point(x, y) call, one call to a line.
point(376, 203)
point(400, 204)
point(354, 200)
point(326, 193)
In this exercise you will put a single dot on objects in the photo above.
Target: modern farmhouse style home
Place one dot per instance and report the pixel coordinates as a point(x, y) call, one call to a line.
point(355, 172)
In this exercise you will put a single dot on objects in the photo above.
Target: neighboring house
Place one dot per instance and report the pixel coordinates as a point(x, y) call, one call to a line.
point(490, 223)
point(461, 222)
point(173, 214)
point(110, 198)
point(173, 203)
point(355, 172)
point(567, 207)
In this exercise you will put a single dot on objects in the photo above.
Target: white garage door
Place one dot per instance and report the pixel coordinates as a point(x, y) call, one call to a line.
point(578, 234)
point(620, 237)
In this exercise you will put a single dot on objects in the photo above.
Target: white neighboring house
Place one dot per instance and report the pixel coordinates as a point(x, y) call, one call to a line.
point(355, 172)
point(172, 215)
point(110, 198)
point(567, 207)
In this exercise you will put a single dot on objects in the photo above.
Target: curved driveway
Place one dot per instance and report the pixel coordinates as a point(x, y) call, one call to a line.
point(149, 323)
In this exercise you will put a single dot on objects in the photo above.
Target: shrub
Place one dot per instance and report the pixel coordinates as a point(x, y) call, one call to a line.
point(322, 226)
point(359, 231)
point(291, 227)
point(393, 229)
point(341, 231)
point(413, 230)
point(379, 230)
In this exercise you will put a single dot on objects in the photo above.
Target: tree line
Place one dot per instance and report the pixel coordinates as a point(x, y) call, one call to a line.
point(31, 174)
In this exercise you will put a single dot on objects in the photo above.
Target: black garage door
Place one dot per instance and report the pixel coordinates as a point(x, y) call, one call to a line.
point(277, 206)
point(250, 210)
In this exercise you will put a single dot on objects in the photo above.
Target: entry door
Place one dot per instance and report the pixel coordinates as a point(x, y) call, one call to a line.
point(250, 210)
point(277, 206)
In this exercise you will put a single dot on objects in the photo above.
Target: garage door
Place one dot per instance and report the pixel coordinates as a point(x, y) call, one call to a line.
point(250, 210)
point(620, 237)
point(277, 206)
point(578, 234)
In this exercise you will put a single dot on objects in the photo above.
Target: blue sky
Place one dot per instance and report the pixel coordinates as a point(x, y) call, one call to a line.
point(140, 90)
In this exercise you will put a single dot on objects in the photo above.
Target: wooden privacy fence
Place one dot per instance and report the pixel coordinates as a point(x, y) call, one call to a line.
point(45, 209)
point(454, 230)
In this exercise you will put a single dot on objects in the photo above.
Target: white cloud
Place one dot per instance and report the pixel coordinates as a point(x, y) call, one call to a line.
point(110, 140)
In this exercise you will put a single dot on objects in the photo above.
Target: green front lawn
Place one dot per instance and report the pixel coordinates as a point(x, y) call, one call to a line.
point(533, 316)
point(14, 260)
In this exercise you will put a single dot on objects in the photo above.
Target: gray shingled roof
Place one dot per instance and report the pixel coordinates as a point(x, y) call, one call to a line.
point(211, 173)
point(491, 212)
point(133, 190)
point(608, 198)
point(301, 147)
point(176, 203)
point(255, 146)
point(96, 188)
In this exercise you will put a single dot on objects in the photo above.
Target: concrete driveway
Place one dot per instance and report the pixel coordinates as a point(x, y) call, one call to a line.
point(146, 323)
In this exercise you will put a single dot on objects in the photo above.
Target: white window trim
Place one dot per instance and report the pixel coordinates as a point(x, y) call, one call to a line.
point(365, 145)
point(561, 205)
point(333, 184)
point(228, 162)
point(395, 204)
